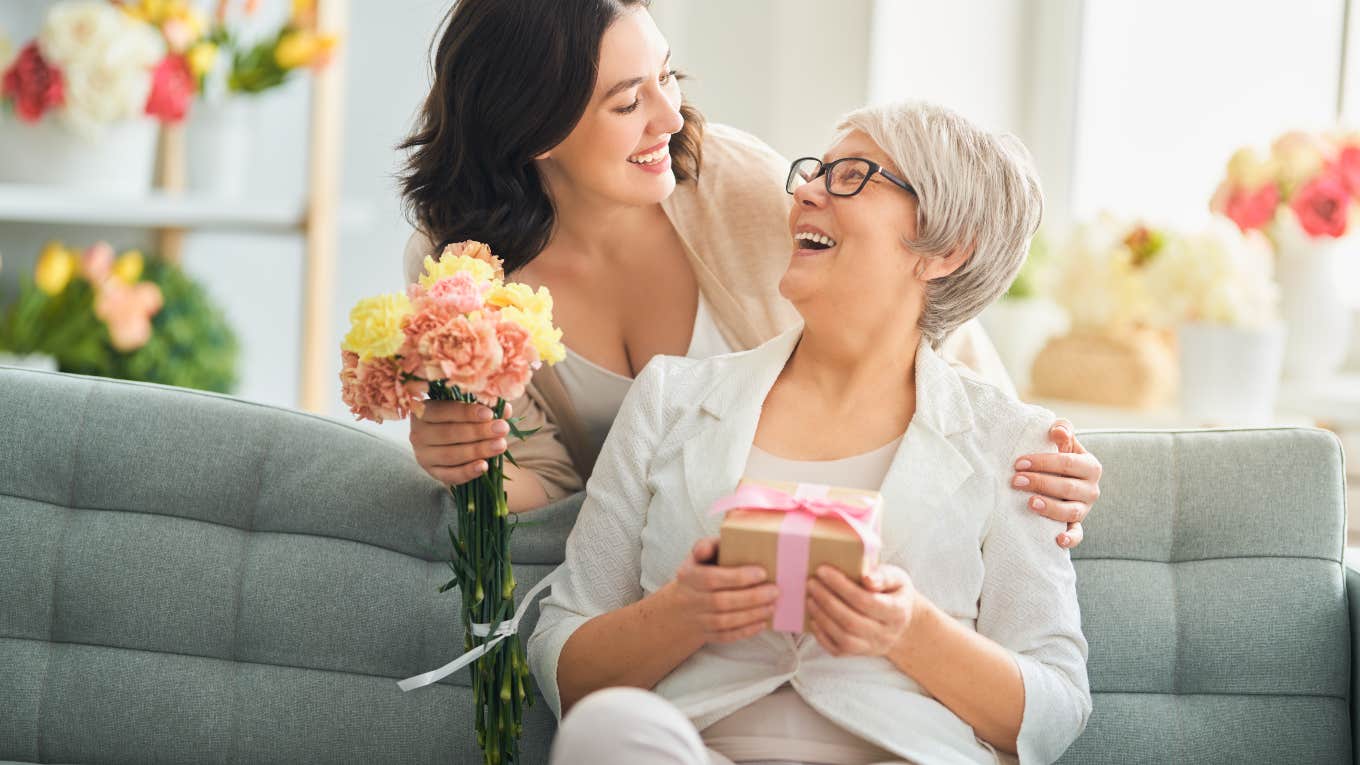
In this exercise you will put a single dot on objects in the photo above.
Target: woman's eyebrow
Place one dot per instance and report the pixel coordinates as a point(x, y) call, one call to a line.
point(623, 85)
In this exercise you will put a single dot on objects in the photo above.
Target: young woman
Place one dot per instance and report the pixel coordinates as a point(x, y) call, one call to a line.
point(557, 134)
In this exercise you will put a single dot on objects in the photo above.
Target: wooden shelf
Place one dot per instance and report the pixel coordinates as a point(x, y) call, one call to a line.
point(159, 209)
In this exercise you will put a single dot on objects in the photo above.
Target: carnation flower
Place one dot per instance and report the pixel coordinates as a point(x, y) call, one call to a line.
point(172, 90)
point(1322, 205)
point(376, 326)
point(519, 359)
point(378, 390)
point(462, 352)
point(32, 84)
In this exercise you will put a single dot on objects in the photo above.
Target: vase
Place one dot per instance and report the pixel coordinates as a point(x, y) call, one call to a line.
point(39, 361)
point(218, 141)
point(1230, 375)
point(1316, 317)
point(120, 160)
point(1019, 328)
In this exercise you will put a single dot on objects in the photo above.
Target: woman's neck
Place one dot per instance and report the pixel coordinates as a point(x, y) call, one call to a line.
point(596, 229)
point(842, 362)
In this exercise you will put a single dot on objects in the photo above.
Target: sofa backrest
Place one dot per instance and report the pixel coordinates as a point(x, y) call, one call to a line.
point(1212, 591)
point(186, 577)
point(192, 578)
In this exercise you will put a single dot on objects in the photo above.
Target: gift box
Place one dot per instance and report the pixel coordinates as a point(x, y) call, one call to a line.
point(790, 529)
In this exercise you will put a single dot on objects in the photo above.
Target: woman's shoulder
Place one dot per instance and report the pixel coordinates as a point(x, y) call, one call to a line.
point(1003, 424)
point(418, 245)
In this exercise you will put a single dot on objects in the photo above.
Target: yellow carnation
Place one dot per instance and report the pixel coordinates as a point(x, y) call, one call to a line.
point(376, 326)
point(546, 338)
point(522, 297)
point(446, 267)
point(56, 266)
point(128, 268)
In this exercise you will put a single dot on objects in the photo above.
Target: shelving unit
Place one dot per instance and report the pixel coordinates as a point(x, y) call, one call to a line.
point(170, 211)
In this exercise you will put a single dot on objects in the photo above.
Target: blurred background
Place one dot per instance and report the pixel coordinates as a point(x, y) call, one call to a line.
point(1198, 263)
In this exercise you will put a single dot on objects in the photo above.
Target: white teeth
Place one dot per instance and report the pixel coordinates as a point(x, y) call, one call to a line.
point(811, 237)
point(650, 159)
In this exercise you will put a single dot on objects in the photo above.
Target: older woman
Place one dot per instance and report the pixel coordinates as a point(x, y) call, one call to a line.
point(965, 644)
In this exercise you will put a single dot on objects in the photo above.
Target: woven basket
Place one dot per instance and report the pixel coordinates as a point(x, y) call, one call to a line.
point(1134, 369)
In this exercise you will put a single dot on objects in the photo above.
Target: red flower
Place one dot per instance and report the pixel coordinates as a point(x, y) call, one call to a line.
point(172, 89)
point(1348, 166)
point(1253, 209)
point(1321, 204)
point(34, 85)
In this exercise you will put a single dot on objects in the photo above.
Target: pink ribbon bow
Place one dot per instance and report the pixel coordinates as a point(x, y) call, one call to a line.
point(802, 509)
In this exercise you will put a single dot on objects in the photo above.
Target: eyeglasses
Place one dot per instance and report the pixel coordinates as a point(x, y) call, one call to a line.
point(845, 177)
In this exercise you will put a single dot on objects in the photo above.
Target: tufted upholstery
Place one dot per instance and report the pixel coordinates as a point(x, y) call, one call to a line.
point(191, 578)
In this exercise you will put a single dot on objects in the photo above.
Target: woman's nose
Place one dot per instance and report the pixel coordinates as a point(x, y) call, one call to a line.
point(811, 193)
point(668, 118)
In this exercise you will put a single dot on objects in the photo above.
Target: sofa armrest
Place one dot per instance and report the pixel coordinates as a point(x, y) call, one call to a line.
point(1353, 602)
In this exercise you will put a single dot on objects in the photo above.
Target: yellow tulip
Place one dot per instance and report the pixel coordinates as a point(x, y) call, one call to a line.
point(128, 268)
point(201, 58)
point(56, 266)
point(300, 48)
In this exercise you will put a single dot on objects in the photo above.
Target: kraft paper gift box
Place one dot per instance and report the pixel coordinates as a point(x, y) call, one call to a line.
point(790, 529)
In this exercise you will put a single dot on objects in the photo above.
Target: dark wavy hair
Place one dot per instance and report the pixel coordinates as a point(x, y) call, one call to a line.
point(511, 80)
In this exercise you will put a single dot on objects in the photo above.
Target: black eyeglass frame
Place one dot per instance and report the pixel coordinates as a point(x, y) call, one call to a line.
point(825, 170)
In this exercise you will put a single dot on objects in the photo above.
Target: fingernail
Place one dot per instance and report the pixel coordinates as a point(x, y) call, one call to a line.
point(499, 445)
point(1064, 540)
point(484, 413)
point(1021, 481)
point(1036, 503)
point(481, 467)
point(1022, 465)
point(501, 427)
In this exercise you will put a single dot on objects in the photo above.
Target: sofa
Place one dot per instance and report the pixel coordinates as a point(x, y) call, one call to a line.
point(187, 577)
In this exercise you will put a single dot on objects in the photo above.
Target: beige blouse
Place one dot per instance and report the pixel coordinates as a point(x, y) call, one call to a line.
point(733, 221)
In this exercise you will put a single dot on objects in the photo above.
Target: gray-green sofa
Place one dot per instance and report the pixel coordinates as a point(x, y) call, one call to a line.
point(191, 578)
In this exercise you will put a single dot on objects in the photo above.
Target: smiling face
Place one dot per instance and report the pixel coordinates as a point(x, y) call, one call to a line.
point(849, 252)
point(618, 151)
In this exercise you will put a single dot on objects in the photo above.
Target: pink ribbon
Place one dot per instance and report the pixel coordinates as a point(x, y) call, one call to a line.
point(802, 509)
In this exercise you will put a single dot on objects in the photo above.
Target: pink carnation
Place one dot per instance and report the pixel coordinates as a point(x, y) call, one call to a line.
point(519, 360)
point(461, 292)
point(1348, 166)
point(377, 390)
point(463, 353)
point(1321, 205)
point(1252, 209)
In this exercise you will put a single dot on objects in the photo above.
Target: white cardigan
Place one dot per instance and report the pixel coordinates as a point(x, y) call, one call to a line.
point(951, 520)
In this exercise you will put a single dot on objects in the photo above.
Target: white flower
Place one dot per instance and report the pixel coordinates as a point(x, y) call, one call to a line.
point(106, 58)
point(1099, 283)
point(1218, 275)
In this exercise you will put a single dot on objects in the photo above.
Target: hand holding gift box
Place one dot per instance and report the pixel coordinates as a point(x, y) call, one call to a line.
point(791, 529)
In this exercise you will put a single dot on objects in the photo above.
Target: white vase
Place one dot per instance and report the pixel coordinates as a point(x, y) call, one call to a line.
point(1316, 316)
point(218, 140)
point(1019, 328)
point(38, 361)
point(1230, 375)
point(120, 160)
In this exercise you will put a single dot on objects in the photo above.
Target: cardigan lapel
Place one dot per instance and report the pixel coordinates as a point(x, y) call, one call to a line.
point(715, 457)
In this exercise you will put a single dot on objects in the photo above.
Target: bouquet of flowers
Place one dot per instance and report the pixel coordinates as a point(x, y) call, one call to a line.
point(269, 62)
point(1311, 181)
point(463, 333)
point(96, 62)
point(1218, 275)
point(123, 316)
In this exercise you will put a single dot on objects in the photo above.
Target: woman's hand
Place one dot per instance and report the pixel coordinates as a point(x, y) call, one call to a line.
point(723, 604)
point(1065, 484)
point(853, 619)
point(453, 440)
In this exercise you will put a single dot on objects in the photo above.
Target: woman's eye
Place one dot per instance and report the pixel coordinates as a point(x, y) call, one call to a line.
point(668, 76)
point(629, 109)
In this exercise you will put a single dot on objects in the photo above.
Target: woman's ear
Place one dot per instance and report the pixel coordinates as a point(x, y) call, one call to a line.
point(929, 269)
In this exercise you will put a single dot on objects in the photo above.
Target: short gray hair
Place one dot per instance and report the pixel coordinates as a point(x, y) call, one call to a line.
point(976, 189)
